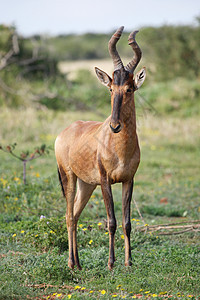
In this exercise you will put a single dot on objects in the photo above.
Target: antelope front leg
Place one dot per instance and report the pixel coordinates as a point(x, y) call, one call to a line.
point(127, 190)
point(108, 200)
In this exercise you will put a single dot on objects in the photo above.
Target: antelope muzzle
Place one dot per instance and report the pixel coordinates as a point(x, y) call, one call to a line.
point(116, 129)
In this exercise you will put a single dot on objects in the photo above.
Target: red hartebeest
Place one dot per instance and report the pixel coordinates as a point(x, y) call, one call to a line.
point(95, 153)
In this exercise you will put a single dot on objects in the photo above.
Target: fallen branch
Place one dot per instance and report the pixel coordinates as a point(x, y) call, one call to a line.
point(172, 228)
point(46, 286)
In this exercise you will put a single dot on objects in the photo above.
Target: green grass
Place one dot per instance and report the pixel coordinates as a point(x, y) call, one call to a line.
point(34, 251)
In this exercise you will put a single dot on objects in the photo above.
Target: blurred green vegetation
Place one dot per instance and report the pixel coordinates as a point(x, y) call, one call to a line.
point(31, 76)
point(169, 51)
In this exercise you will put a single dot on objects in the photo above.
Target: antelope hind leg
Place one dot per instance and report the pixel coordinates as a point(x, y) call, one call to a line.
point(69, 185)
point(84, 191)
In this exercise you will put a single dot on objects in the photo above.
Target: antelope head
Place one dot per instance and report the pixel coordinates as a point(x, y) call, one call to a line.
point(123, 84)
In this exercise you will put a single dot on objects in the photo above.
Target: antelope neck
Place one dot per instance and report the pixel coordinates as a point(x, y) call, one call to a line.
point(128, 116)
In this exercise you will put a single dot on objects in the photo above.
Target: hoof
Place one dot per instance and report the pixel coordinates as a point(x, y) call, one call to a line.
point(110, 266)
point(79, 267)
point(128, 264)
point(71, 264)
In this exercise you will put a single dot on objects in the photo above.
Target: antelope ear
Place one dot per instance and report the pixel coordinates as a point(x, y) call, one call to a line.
point(139, 78)
point(103, 77)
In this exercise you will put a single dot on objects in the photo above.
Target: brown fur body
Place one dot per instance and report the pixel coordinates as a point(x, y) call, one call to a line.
point(94, 153)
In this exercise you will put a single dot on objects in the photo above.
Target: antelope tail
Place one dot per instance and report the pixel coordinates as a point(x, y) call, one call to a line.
point(61, 184)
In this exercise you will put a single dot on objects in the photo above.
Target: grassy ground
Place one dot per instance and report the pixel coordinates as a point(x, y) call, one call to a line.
point(34, 248)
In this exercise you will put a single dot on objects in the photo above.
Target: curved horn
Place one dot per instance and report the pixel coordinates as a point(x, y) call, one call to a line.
point(138, 53)
point(113, 51)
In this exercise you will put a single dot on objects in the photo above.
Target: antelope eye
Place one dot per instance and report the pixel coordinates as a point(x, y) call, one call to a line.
point(128, 90)
point(110, 90)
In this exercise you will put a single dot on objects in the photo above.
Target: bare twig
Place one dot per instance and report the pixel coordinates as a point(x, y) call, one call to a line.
point(13, 51)
point(175, 232)
point(25, 156)
point(139, 212)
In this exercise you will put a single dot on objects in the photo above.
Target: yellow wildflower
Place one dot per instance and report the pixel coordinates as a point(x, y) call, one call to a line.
point(90, 242)
point(99, 224)
point(14, 235)
point(83, 288)
point(133, 219)
point(103, 292)
point(163, 293)
point(122, 237)
point(84, 229)
point(114, 296)
point(106, 232)
point(22, 231)
point(59, 295)
point(80, 225)
point(37, 175)
point(141, 290)
point(134, 296)
point(77, 287)
point(36, 235)
point(69, 296)
point(90, 292)
point(147, 292)
point(16, 179)
point(154, 295)
point(16, 199)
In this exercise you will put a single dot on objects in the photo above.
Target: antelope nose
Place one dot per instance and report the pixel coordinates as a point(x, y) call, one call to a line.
point(116, 128)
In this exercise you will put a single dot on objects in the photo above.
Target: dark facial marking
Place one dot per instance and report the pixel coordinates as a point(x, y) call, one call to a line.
point(120, 77)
